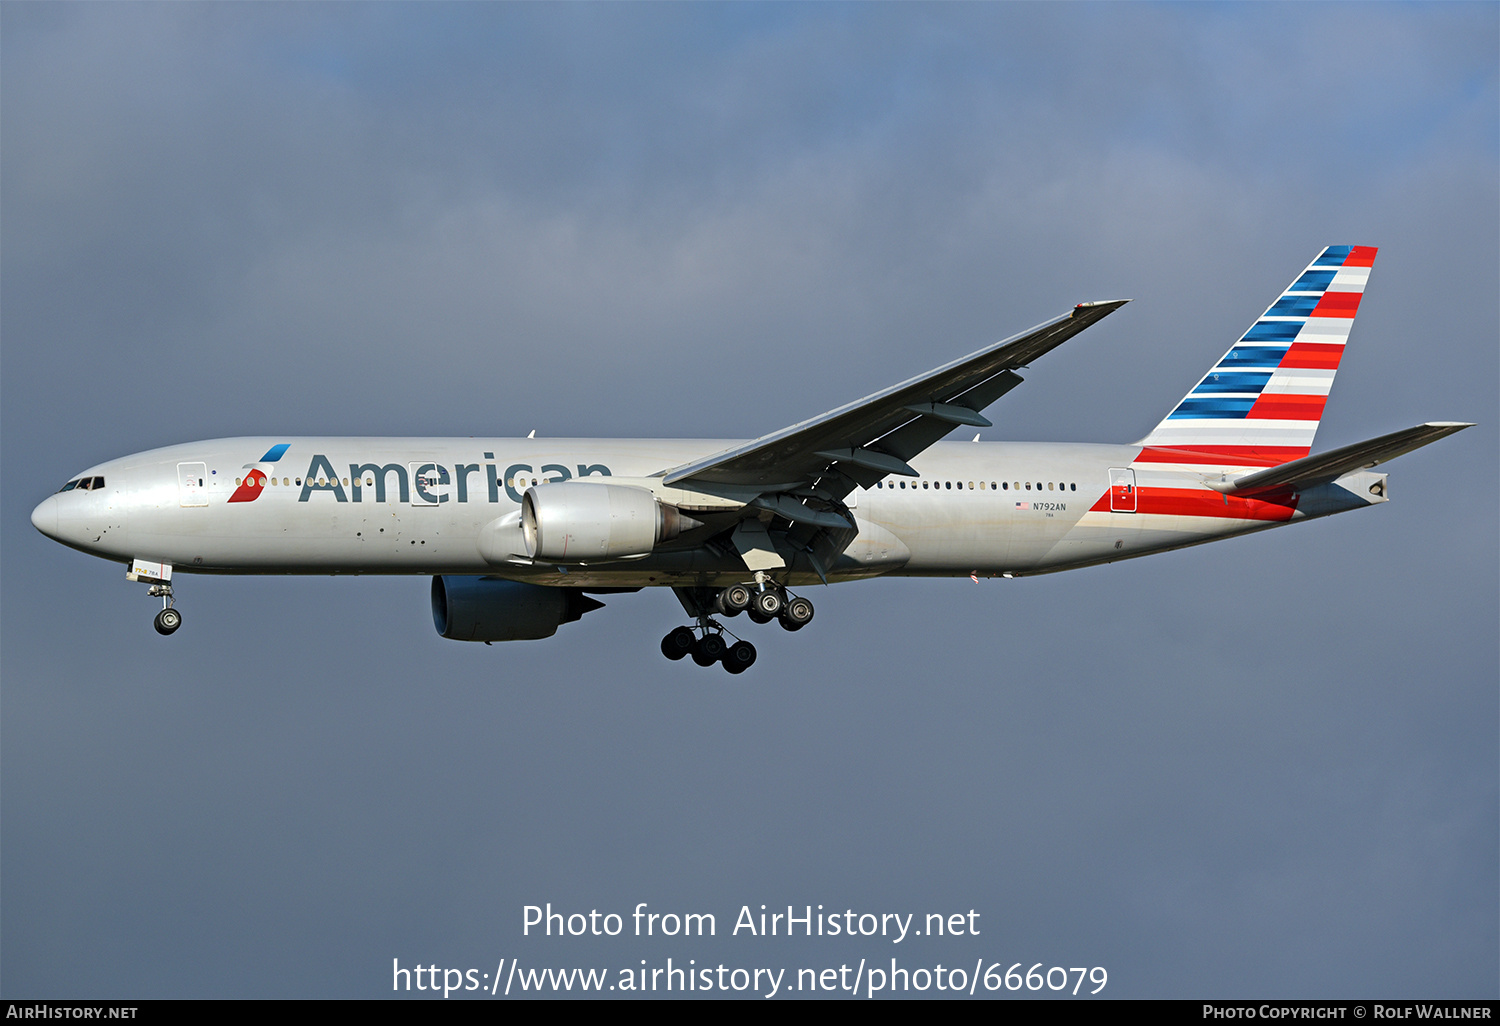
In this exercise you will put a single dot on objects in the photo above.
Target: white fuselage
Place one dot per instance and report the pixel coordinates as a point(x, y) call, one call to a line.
point(418, 506)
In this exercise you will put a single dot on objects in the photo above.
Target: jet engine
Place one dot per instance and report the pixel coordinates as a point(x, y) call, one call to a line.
point(576, 522)
point(490, 609)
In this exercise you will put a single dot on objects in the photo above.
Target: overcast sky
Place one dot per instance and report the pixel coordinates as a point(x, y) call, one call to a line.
point(1265, 767)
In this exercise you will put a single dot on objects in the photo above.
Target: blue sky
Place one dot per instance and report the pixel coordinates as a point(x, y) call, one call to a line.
point(1266, 767)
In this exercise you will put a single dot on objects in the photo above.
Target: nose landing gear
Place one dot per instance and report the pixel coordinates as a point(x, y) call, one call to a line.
point(159, 576)
point(169, 619)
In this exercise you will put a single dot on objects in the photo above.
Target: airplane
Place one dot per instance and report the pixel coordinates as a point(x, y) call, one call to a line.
point(518, 535)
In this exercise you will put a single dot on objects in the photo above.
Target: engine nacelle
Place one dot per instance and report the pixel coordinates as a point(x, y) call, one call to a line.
point(490, 609)
point(578, 522)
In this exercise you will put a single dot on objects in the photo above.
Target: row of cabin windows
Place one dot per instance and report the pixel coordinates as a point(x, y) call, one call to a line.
point(520, 482)
point(94, 483)
point(1050, 486)
point(256, 479)
point(369, 482)
point(261, 482)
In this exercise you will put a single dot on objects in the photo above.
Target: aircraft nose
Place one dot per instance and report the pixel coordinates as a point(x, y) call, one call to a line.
point(44, 517)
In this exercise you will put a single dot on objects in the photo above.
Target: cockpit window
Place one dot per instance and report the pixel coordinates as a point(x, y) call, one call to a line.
point(68, 487)
point(99, 483)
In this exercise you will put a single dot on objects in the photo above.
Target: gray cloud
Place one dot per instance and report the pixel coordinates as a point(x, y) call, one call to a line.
point(1264, 767)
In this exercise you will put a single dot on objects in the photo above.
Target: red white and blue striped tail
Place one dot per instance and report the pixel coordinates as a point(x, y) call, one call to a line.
point(1260, 405)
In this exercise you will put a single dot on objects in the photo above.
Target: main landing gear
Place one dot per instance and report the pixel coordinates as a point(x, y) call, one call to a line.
point(764, 605)
point(169, 619)
point(710, 648)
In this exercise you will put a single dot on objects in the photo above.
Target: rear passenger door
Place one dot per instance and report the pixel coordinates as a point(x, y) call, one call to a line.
point(1121, 490)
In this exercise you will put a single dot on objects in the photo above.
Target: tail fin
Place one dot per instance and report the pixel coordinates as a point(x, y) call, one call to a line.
point(1260, 405)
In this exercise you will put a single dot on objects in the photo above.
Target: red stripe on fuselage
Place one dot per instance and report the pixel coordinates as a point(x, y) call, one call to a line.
point(1204, 502)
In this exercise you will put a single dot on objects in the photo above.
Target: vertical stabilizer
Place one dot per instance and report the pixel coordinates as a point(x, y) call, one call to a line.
point(1260, 405)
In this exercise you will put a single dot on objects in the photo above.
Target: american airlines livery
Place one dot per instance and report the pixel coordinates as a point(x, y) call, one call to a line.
point(518, 535)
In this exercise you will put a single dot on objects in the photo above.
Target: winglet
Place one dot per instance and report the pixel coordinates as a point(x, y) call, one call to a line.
point(1113, 304)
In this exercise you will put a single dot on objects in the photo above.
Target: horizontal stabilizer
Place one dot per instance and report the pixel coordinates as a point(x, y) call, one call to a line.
point(1315, 470)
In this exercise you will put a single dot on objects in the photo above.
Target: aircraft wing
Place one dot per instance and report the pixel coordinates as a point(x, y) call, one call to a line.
point(864, 441)
point(1315, 470)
